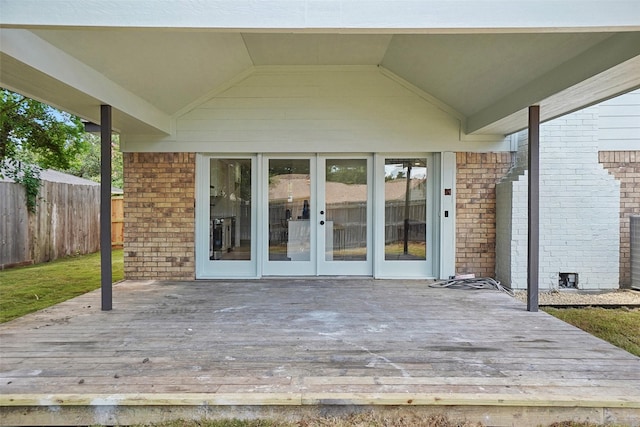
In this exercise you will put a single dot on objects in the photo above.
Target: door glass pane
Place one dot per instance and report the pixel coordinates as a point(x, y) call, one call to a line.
point(346, 205)
point(289, 210)
point(230, 209)
point(405, 212)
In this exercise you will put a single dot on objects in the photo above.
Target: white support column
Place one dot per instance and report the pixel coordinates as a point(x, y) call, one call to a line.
point(447, 215)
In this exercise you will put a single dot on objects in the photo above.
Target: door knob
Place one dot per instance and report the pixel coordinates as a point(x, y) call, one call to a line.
point(321, 212)
point(321, 222)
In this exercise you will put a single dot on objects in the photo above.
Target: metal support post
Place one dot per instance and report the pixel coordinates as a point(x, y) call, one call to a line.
point(533, 257)
point(106, 274)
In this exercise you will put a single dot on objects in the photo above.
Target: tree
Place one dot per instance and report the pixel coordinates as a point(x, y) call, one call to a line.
point(88, 162)
point(34, 135)
point(35, 132)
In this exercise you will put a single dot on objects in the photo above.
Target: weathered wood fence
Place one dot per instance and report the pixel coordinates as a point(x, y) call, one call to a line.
point(351, 217)
point(117, 221)
point(66, 222)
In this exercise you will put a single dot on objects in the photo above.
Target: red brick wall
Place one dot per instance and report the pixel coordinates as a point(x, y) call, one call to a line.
point(477, 175)
point(625, 166)
point(159, 216)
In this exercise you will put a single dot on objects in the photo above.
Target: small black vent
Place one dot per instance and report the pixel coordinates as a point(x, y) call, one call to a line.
point(568, 280)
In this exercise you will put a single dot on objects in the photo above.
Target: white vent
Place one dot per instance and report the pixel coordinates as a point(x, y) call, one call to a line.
point(635, 252)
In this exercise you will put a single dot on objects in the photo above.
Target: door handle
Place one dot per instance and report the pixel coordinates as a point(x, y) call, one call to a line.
point(321, 212)
point(321, 222)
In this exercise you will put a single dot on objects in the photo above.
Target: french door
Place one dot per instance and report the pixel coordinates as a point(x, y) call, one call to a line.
point(318, 215)
point(308, 215)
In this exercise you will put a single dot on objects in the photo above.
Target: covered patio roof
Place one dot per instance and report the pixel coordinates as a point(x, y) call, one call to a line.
point(485, 61)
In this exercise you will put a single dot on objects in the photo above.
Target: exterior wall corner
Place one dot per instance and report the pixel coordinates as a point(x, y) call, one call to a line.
point(159, 216)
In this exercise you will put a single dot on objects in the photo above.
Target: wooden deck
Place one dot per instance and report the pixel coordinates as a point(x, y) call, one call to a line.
point(289, 347)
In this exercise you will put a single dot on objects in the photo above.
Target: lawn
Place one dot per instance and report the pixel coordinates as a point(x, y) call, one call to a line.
point(27, 289)
point(620, 327)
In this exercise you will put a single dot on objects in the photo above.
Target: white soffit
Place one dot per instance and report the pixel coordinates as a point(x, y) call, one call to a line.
point(471, 72)
point(169, 69)
point(605, 70)
point(616, 81)
point(316, 49)
point(42, 71)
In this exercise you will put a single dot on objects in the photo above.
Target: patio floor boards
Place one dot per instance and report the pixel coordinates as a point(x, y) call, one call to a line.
point(301, 346)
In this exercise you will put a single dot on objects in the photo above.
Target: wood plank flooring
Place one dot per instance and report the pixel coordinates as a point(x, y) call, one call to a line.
point(307, 343)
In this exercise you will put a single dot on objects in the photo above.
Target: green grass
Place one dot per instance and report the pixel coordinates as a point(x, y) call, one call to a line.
point(620, 327)
point(24, 290)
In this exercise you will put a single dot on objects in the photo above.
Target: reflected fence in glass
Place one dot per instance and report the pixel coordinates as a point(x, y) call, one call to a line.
point(405, 215)
point(346, 198)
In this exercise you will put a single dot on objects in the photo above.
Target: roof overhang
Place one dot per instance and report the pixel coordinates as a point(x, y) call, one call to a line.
point(486, 60)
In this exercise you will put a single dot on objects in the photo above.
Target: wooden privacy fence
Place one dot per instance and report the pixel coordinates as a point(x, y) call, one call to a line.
point(66, 222)
point(117, 221)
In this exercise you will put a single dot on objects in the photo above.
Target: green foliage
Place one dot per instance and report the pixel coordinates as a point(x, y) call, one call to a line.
point(28, 176)
point(24, 290)
point(33, 136)
point(32, 131)
point(87, 164)
point(347, 174)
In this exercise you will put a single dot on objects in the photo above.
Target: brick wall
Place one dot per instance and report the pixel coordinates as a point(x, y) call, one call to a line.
point(579, 202)
point(477, 175)
point(625, 166)
point(159, 216)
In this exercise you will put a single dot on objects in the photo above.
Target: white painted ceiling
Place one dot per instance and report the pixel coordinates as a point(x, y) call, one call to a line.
point(486, 77)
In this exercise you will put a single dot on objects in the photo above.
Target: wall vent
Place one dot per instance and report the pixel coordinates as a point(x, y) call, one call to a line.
point(568, 280)
point(635, 252)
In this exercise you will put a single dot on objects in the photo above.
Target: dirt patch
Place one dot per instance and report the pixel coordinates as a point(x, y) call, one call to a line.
point(380, 420)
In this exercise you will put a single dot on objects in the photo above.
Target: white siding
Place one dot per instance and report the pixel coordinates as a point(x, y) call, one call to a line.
point(317, 109)
point(619, 123)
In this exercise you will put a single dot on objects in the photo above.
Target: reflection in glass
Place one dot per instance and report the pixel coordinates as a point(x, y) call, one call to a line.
point(346, 205)
point(405, 216)
point(230, 209)
point(290, 206)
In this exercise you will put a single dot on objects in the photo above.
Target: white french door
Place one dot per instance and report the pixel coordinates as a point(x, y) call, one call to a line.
point(311, 215)
point(345, 216)
point(318, 215)
point(405, 212)
point(226, 216)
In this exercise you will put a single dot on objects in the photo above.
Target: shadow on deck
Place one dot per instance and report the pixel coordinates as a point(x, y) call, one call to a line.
point(294, 347)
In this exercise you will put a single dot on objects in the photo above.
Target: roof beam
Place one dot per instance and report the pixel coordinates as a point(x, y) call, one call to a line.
point(608, 54)
point(344, 15)
point(29, 49)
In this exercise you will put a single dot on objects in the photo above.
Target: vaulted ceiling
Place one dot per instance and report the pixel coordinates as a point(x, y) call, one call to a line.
point(151, 74)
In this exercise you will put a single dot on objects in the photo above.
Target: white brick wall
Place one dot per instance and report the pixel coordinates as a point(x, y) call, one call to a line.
point(579, 209)
point(635, 252)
